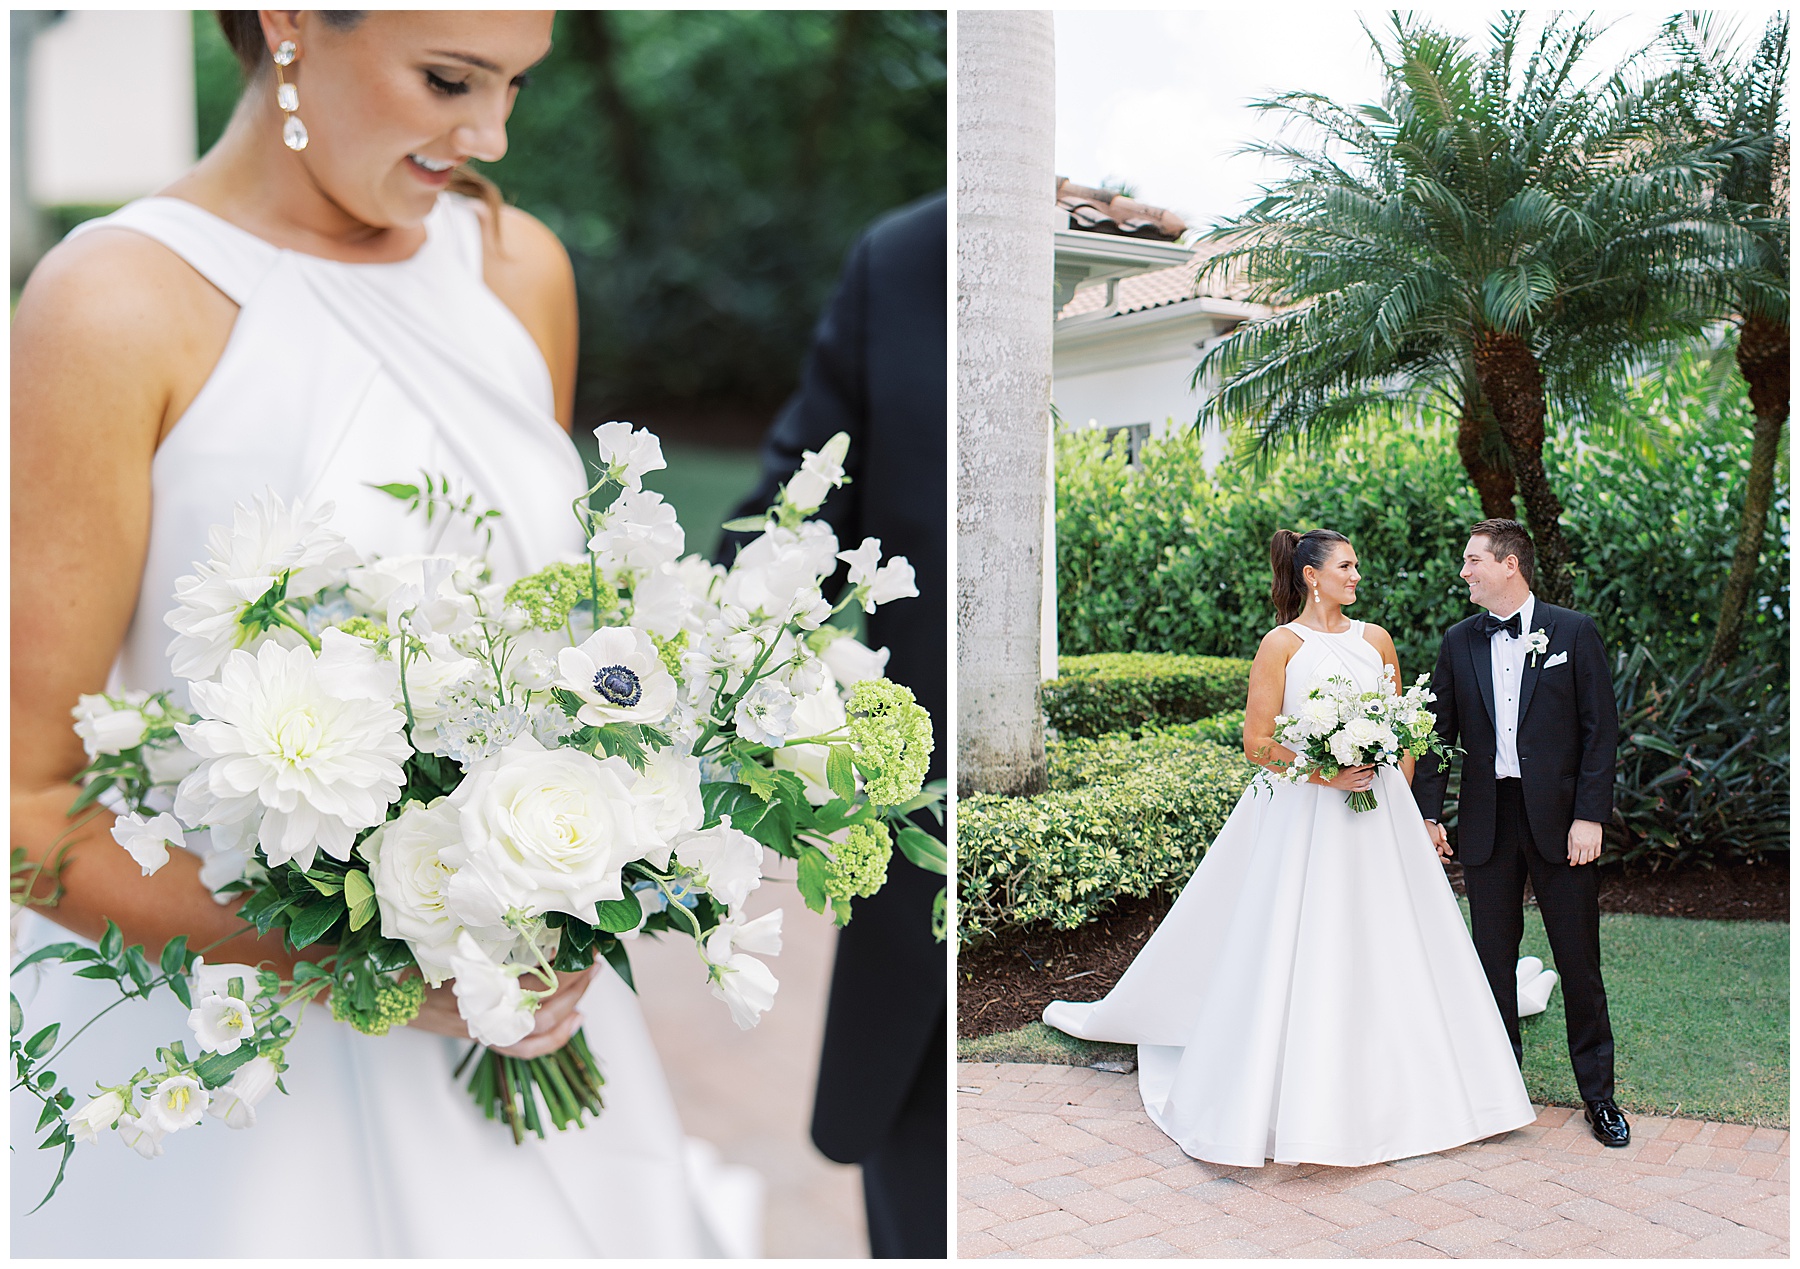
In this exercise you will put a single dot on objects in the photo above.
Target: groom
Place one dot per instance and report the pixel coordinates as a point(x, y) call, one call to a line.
point(1527, 688)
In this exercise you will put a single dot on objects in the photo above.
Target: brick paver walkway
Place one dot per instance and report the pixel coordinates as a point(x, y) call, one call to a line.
point(1061, 1161)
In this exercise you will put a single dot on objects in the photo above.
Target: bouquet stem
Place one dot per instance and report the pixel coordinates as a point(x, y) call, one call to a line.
point(563, 1087)
point(1362, 801)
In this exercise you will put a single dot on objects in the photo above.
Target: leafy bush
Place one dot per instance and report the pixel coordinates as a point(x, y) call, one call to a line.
point(1703, 765)
point(1167, 557)
point(1119, 691)
point(1122, 817)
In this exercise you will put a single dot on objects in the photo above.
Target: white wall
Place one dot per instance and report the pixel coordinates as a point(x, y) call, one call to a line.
point(1155, 393)
point(110, 105)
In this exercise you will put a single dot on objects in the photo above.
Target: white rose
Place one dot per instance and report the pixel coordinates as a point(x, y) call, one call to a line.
point(236, 1102)
point(108, 728)
point(221, 1023)
point(98, 1116)
point(177, 1103)
point(1343, 749)
point(148, 841)
point(744, 983)
point(618, 676)
point(543, 830)
point(488, 996)
point(1364, 733)
point(412, 883)
point(729, 862)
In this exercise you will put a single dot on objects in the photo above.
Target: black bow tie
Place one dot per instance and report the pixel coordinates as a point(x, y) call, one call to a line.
point(1492, 625)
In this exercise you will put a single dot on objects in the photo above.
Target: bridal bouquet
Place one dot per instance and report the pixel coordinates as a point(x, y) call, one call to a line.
point(432, 776)
point(1338, 726)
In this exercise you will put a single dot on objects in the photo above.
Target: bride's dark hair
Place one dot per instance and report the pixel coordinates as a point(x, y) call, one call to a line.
point(1291, 552)
point(243, 31)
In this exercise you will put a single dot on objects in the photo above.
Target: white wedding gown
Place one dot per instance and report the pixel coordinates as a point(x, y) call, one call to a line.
point(337, 375)
point(1313, 995)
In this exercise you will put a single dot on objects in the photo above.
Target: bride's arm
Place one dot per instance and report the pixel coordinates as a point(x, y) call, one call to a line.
point(109, 343)
point(1268, 683)
point(525, 265)
point(1383, 643)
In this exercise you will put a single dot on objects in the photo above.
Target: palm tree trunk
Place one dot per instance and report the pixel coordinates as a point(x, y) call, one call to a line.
point(1493, 480)
point(1762, 357)
point(1005, 271)
point(1513, 383)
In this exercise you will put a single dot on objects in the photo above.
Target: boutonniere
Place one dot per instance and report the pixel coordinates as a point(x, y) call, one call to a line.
point(1535, 644)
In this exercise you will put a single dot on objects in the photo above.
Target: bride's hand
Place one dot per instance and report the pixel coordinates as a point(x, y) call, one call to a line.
point(555, 1022)
point(1351, 780)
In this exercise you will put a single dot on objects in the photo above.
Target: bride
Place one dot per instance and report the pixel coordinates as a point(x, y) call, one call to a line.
point(327, 300)
point(1313, 996)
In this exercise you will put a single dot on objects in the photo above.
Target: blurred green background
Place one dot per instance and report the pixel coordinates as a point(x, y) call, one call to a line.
point(707, 171)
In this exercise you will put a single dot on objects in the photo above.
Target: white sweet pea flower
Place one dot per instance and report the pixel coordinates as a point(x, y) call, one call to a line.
point(863, 560)
point(727, 861)
point(177, 1103)
point(765, 716)
point(170, 762)
point(143, 1134)
point(851, 662)
point(542, 830)
point(98, 1116)
point(221, 1023)
point(304, 749)
point(744, 983)
point(777, 574)
point(618, 676)
point(661, 602)
point(638, 531)
point(628, 453)
point(669, 803)
point(265, 539)
point(819, 474)
point(236, 1103)
point(437, 590)
point(488, 996)
point(110, 725)
point(894, 580)
point(223, 865)
point(148, 841)
point(818, 714)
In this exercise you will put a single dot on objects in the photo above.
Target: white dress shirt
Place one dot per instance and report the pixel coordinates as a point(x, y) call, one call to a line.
point(1507, 656)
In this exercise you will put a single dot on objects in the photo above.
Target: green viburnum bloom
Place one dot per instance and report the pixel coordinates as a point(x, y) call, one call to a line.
point(860, 863)
point(891, 733)
point(670, 651)
point(396, 1004)
point(549, 594)
point(367, 628)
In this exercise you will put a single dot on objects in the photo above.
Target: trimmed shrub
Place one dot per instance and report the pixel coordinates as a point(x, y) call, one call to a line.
point(1122, 691)
point(1166, 557)
point(1122, 817)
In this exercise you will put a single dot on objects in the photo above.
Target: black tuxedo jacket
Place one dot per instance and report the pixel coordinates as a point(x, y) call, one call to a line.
point(1568, 733)
point(877, 371)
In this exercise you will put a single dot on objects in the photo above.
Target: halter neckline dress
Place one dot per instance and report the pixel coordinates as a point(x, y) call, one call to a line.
point(1313, 995)
point(337, 376)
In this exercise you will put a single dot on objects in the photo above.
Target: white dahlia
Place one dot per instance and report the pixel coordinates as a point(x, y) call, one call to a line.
point(265, 539)
point(303, 749)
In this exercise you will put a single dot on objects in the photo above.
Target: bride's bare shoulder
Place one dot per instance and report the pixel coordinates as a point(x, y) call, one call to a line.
point(1279, 643)
point(526, 266)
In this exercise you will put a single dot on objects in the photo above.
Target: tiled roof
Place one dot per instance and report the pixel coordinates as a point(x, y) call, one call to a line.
point(1105, 211)
point(1154, 289)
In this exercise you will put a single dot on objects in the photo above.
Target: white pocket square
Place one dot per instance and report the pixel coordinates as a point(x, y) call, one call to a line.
point(1558, 659)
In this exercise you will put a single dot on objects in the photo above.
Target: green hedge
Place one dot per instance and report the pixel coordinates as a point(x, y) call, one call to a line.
point(1121, 691)
point(1167, 557)
point(1122, 817)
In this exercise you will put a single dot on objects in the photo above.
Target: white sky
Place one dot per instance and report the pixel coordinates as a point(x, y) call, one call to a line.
point(1158, 99)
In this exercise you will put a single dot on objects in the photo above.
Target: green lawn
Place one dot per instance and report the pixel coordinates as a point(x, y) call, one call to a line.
point(704, 486)
point(1699, 1012)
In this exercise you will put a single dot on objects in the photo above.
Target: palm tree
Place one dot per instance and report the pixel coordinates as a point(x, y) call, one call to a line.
point(1497, 234)
point(1714, 95)
point(1006, 181)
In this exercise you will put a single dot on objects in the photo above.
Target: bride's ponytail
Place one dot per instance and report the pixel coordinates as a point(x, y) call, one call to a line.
point(1287, 591)
point(1290, 554)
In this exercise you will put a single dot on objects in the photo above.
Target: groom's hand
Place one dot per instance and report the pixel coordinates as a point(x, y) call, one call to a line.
point(1584, 842)
point(1440, 838)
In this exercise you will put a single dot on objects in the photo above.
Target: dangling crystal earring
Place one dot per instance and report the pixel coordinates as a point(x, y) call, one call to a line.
point(1316, 598)
point(293, 132)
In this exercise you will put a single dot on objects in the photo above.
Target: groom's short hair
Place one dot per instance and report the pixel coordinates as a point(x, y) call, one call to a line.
point(1509, 537)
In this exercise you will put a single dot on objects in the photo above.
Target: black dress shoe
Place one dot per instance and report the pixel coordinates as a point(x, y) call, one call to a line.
point(1610, 1128)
